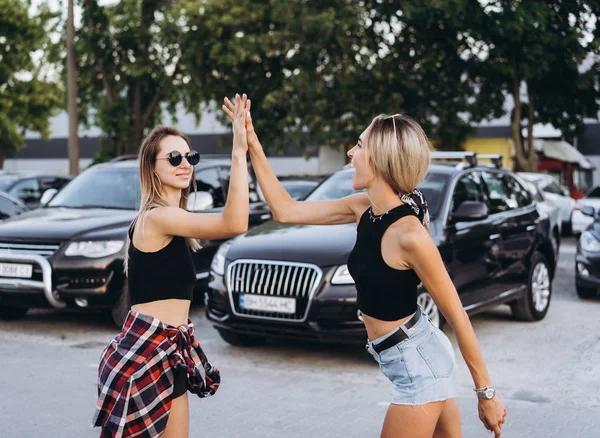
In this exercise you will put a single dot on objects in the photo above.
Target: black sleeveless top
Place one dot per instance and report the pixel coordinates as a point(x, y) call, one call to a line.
point(383, 292)
point(163, 274)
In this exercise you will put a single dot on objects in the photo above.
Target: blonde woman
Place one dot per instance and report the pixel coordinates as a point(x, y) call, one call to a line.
point(146, 372)
point(392, 255)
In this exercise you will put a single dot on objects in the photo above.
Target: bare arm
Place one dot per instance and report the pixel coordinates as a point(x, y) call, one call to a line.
point(175, 221)
point(421, 253)
point(283, 207)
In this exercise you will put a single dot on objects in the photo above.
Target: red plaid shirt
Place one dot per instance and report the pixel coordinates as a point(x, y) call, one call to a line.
point(136, 376)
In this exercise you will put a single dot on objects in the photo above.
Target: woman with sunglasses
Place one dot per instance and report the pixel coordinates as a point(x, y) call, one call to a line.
point(146, 372)
point(393, 253)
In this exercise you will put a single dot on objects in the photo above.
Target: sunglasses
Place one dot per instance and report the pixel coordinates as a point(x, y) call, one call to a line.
point(175, 158)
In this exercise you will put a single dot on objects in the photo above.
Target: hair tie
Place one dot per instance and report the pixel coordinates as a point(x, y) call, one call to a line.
point(417, 202)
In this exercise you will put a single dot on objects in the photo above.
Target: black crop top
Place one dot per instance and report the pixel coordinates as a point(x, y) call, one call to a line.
point(383, 292)
point(163, 274)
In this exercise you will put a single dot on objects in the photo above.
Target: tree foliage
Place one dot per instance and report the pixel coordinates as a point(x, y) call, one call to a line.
point(129, 56)
point(318, 72)
point(27, 97)
point(536, 49)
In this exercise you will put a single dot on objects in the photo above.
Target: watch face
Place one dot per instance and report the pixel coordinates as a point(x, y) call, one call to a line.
point(489, 393)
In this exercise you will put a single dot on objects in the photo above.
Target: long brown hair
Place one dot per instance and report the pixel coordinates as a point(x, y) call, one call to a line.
point(151, 186)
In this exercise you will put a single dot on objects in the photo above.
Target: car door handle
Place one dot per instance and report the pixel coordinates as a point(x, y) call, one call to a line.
point(495, 236)
point(531, 227)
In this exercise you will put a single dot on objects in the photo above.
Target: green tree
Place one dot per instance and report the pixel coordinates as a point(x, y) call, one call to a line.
point(301, 63)
point(130, 69)
point(27, 97)
point(534, 48)
point(319, 71)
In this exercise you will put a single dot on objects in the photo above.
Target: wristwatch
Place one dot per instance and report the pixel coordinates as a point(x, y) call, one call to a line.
point(486, 393)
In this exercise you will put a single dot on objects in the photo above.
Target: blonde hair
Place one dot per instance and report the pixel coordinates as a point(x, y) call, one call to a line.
point(398, 151)
point(151, 186)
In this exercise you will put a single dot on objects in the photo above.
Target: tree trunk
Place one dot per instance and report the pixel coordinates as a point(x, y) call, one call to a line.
point(138, 127)
point(1, 161)
point(531, 154)
point(520, 160)
point(72, 94)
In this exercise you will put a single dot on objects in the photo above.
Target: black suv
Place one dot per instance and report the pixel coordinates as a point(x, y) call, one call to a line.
point(291, 281)
point(70, 252)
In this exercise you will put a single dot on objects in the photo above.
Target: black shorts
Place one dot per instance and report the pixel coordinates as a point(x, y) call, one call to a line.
point(180, 385)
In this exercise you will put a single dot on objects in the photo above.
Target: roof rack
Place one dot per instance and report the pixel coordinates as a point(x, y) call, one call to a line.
point(124, 158)
point(470, 157)
point(496, 159)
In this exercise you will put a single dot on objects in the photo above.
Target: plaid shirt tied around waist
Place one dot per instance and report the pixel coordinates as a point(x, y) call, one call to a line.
point(136, 376)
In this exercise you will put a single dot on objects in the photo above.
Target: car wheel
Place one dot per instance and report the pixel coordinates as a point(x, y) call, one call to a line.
point(120, 309)
point(431, 309)
point(12, 313)
point(536, 301)
point(586, 292)
point(240, 340)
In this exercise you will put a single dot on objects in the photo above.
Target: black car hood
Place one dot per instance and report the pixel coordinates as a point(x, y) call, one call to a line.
point(59, 224)
point(324, 245)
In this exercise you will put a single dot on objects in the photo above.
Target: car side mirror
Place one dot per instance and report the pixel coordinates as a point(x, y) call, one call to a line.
point(199, 201)
point(588, 210)
point(470, 211)
point(47, 196)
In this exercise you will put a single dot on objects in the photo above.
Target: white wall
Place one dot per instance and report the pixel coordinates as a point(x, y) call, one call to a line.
point(282, 166)
point(595, 160)
point(330, 159)
point(49, 165)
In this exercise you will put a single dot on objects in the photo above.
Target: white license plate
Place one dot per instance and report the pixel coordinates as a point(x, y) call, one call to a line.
point(16, 270)
point(267, 304)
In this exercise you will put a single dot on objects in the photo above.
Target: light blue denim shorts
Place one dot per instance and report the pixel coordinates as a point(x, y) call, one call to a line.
point(422, 368)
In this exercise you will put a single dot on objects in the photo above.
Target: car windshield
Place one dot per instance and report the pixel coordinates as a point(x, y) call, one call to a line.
point(101, 188)
point(339, 185)
point(7, 181)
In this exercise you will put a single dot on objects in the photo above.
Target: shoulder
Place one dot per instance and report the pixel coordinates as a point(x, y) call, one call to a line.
point(358, 202)
point(163, 220)
point(160, 213)
point(410, 234)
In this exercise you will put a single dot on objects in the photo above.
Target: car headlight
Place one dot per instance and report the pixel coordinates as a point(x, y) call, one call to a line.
point(342, 276)
point(218, 261)
point(94, 249)
point(588, 242)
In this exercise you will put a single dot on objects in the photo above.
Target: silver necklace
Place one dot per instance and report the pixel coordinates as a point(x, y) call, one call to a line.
point(376, 218)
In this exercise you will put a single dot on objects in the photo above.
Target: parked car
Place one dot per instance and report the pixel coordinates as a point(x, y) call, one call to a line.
point(29, 187)
point(555, 194)
point(550, 209)
point(70, 252)
point(291, 281)
point(580, 220)
point(298, 188)
point(10, 206)
point(587, 258)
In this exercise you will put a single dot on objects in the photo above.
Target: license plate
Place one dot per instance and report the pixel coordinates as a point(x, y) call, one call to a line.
point(15, 270)
point(267, 304)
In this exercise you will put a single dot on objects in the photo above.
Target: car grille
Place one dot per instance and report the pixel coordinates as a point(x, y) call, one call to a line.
point(276, 279)
point(43, 249)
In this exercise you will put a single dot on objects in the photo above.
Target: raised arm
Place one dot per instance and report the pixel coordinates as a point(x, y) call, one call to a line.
point(283, 207)
point(234, 218)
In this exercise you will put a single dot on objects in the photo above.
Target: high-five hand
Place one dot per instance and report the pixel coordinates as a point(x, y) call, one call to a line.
point(251, 136)
point(237, 114)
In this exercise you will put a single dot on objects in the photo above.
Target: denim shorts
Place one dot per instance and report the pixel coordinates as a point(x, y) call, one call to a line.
point(422, 368)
